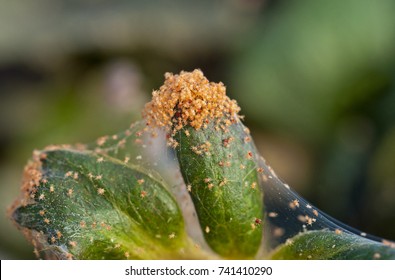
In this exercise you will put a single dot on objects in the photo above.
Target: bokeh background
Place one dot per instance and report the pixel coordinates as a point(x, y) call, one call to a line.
point(315, 80)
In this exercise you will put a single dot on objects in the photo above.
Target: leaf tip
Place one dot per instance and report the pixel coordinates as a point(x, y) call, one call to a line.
point(189, 98)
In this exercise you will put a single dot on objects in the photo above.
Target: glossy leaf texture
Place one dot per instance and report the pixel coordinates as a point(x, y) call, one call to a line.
point(329, 245)
point(220, 171)
point(83, 205)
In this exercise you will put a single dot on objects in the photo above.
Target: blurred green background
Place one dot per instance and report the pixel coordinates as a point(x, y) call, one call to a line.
point(315, 79)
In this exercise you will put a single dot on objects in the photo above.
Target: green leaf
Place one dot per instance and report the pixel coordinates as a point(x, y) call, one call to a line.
point(83, 205)
point(329, 245)
point(106, 201)
point(220, 172)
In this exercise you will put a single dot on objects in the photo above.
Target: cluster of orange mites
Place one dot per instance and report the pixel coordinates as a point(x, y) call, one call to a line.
point(188, 99)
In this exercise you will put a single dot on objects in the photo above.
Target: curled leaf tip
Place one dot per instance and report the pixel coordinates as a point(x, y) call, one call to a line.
point(204, 129)
point(189, 99)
